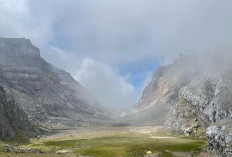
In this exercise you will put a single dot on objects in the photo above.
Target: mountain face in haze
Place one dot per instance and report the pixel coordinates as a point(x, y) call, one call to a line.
point(196, 92)
point(205, 104)
point(47, 95)
point(162, 91)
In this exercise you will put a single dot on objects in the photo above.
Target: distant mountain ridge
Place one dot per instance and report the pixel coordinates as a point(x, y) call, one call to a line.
point(49, 96)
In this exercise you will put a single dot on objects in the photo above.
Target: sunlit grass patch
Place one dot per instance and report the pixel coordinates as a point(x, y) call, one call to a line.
point(118, 142)
point(129, 146)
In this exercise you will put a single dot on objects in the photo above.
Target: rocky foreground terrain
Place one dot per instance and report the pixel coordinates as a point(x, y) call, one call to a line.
point(195, 95)
point(33, 92)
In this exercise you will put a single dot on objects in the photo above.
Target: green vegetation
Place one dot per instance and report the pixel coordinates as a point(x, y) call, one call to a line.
point(129, 146)
point(120, 144)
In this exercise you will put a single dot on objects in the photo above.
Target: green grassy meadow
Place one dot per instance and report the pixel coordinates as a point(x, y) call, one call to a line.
point(114, 142)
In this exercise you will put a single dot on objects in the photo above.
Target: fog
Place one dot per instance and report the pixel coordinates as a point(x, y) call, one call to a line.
point(100, 40)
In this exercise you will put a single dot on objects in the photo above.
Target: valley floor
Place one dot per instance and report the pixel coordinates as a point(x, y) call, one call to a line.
point(127, 141)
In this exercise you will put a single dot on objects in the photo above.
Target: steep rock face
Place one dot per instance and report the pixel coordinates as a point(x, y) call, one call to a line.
point(220, 138)
point(191, 95)
point(204, 105)
point(12, 119)
point(196, 106)
point(162, 91)
point(48, 95)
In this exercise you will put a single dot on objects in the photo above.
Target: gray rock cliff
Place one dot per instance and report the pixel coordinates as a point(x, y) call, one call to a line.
point(162, 92)
point(204, 105)
point(13, 121)
point(196, 92)
point(49, 96)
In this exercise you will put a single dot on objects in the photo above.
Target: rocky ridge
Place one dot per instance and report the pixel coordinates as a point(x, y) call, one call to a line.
point(50, 97)
point(204, 105)
point(196, 91)
point(162, 92)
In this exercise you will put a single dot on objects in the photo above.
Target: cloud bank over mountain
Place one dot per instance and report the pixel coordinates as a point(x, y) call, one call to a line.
point(98, 40)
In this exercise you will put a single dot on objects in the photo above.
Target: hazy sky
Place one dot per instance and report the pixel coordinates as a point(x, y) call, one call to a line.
point(112, 47)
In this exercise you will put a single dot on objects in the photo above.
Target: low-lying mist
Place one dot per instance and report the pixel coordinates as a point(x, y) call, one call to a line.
point(163, 90)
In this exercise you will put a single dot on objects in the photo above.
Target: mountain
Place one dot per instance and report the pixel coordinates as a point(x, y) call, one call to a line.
point(13, 121)
point(193, 96)
point(204, 105)
point(163, 90)
point(48, 96)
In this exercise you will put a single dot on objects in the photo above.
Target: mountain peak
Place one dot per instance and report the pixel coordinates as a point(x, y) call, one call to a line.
point(17, 47)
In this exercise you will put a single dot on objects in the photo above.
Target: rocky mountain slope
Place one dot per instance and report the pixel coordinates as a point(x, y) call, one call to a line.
point(205, 105)
point(163, 90)
point(49, 96)
point(13, 121)
point(196, 92)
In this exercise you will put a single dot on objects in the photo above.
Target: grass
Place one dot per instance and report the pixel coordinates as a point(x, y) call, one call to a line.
point(118, 143)
point(128, 146)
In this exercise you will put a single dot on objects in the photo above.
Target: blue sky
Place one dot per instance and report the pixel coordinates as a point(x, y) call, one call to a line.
point(112, 47)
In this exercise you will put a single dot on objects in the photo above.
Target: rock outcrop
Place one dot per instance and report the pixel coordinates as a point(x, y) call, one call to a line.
point(49, 96)
point(13, 121)
point(196, 91)
point(204, 105)
point(162, 92)
point(220, 139)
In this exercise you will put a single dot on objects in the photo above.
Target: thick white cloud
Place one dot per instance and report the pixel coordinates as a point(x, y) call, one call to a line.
point(107, 85)
point(116, 32)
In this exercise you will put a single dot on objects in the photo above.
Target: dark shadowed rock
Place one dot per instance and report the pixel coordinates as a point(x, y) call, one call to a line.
point(12, 119)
